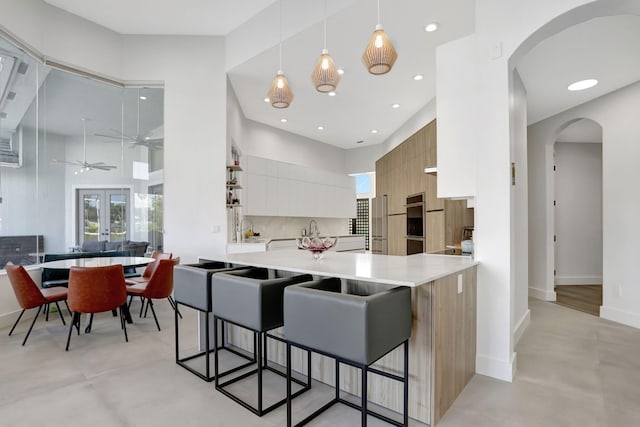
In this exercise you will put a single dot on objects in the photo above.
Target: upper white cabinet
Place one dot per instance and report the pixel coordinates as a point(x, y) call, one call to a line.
point(283, 189)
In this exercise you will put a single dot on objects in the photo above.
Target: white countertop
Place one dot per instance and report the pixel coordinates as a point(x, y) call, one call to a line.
point(412, 270)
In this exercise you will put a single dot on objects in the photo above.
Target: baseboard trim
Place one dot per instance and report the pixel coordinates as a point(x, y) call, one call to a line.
point(495, 368)
point(542, 294)
point(578, 280)
point(628, 318)
point(521, 326)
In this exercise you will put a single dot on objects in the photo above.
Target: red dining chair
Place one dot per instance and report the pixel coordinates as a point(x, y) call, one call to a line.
point(159, 286)
point(94, 290)
point(29, 295)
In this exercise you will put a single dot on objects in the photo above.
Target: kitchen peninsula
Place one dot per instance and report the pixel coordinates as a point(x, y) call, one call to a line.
point(442, 348)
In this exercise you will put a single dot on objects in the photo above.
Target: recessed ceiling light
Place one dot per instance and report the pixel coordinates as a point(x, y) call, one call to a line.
point(144, 98)
point(283, 120)
point(430, 28)
point(332, 93)
point(418, 77)
point(320, 127)
point(266, 99)
point(374, 131)
point(340, 71)
point(395, 106)
point(582, 84)
point(146, 138)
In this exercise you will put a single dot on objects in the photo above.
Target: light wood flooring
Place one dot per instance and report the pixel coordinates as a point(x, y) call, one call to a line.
point(585, 298)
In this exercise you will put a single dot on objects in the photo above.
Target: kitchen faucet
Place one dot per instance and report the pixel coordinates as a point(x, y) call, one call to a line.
point(311, 230)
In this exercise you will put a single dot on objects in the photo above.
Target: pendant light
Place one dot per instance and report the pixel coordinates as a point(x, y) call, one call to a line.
point(325, 75)
point(280, 94)
point(379, 56)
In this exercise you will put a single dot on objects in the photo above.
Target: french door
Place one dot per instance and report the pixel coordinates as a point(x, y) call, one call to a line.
point(103, 214)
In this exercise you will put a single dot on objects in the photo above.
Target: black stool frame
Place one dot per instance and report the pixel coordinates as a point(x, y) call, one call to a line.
point(364, 369)
point(260, 357)
point(207, 348)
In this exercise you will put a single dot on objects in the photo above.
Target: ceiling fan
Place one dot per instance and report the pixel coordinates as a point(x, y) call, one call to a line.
point(84, 165)
point(152, 141)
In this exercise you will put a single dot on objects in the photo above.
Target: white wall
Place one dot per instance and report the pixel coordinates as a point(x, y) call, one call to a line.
point(519, 218)
point(615, 112)
point(578, 213)
point(504, 30)
point(195, 135)
point(259, 140)
point(416, 122)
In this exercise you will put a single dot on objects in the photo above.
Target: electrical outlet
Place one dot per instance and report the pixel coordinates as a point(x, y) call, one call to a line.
point(215, 228)
point(619, 290)
point(459, 283)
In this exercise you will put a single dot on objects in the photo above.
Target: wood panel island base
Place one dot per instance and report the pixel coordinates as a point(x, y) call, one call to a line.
point(442, 348)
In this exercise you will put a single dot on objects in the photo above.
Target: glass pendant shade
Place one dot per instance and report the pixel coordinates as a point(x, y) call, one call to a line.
point(325, 75)
point(379, 56)
point(280, 94)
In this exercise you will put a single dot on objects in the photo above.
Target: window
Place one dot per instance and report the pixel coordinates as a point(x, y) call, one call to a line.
point(360, 224)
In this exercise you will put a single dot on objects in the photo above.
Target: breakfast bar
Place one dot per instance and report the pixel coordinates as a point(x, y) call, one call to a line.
point(442, 347)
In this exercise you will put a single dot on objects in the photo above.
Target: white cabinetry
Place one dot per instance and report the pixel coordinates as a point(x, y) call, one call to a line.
point(282, 189)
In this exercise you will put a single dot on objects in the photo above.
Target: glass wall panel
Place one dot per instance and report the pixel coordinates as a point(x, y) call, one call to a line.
point(81, 161)
point(21, 238)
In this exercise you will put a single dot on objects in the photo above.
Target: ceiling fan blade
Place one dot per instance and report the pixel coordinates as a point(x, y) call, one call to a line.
point(108, 136)
point(63, 162)
point(103, 167)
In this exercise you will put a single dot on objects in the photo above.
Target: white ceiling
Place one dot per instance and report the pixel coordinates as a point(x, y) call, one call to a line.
point(193, 17)
point(363, 101)
point(604, 48)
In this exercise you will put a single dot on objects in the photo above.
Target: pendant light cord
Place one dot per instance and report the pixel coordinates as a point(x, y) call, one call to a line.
point(280, 44)
point(325, 26)
point(378, 12)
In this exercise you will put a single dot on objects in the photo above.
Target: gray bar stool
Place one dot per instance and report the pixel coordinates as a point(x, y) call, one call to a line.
point(192, 288)
point(251, 300)
point(356, 327)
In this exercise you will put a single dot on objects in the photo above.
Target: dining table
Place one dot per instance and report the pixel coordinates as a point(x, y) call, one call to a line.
point(125, 261)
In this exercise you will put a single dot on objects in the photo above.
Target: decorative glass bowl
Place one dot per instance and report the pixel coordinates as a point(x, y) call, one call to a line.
point(316, 245)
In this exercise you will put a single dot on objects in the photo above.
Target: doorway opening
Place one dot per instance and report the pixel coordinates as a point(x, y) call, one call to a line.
point(577, 208)
point(102, 215)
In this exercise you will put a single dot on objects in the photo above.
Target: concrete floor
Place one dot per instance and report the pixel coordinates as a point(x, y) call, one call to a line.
point(573, 370)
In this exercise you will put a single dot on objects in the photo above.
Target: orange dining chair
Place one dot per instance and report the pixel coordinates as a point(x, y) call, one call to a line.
point(142, 281)
point(159, 286)
point(149, 269)
point(94, 290)
point(29, 295)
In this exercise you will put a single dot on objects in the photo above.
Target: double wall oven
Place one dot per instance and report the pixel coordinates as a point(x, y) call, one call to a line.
point(415, 224)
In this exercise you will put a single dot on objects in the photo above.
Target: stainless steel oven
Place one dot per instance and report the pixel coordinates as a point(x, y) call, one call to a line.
point(415, 224)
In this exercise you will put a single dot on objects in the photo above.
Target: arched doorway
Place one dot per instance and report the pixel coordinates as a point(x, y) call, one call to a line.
point(577, 206)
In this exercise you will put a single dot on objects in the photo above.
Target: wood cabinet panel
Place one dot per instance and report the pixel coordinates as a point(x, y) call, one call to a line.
point(435, 225)
point(431, 144)
point(397, 225)
point(454, 339)
point(432, 202)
